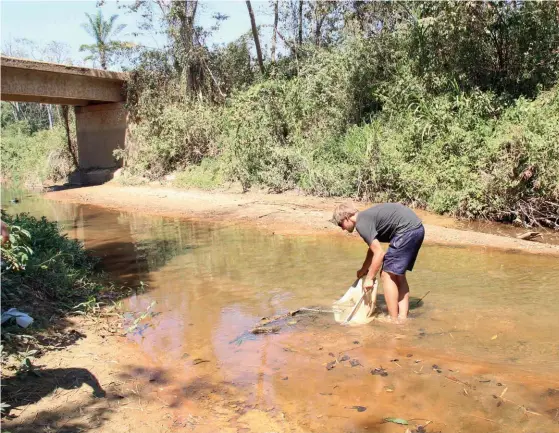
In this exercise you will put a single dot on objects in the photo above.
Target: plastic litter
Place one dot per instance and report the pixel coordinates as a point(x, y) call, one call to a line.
point(22, 319)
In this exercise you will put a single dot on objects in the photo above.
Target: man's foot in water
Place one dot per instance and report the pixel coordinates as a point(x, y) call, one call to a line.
point(385, 318)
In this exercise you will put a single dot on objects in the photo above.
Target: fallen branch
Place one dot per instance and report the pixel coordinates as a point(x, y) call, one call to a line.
point(453, 379)
point(520, 406)
point(264, 330)
point(267, 320)
point(486, 419)
point(421, 299)
point(316, 310)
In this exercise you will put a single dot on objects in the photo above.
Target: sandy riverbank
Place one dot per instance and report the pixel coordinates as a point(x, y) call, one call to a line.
point(288, 214)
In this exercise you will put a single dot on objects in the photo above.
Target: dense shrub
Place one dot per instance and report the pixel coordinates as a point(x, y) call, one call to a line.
point(180, 135)
point(450, 154)
point(274, 131)
point(358, 122)
point(32, 158)
point(520, 175)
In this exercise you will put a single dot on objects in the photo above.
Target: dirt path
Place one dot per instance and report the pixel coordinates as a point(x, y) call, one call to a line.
point(288, 214)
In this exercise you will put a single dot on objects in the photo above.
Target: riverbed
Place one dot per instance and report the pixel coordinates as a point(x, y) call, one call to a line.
point(479, 353)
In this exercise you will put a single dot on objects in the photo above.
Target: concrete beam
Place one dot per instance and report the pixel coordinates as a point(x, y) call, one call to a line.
point(44, 99)
point(31, 81)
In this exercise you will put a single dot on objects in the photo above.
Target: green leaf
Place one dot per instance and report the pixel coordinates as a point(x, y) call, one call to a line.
point(396, 421)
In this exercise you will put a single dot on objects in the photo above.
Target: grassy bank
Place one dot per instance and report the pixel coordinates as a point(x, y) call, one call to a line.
point(49, 277)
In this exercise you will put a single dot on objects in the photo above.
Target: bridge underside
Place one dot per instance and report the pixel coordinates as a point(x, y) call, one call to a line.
point(98, 97)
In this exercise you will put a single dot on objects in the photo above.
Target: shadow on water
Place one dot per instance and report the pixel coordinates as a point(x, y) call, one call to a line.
point(129, 247)
point(130, 263)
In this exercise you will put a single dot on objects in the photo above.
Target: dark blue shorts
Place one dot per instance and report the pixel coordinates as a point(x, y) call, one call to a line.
point(403, 251)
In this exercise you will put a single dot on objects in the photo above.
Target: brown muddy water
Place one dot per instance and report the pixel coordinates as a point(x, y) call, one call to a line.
point(480, 353)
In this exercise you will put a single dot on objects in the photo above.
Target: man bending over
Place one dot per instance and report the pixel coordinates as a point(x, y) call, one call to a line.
point(397, 225)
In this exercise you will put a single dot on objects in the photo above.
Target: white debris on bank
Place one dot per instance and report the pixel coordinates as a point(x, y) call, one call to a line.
point(22, 319)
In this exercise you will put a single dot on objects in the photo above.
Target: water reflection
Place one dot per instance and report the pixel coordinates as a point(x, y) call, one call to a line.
point(213, 282)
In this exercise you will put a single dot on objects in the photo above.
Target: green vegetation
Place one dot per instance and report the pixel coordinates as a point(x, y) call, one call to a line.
point(207, 175)
point(450, 106)
point(31, 158)
point(35, 147)
point(48, 276)
point(43, 270)
point(105, 48)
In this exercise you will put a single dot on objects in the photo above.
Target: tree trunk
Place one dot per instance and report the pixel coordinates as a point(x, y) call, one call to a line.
point(49, 113)
point(319, 20)
point(300, 37)
point(358, 6)
point(66, 120)
point(187, 26)
point(274, 35)
point(255, 35)
point(103, 58)
point(187, 39)
point(15, 109)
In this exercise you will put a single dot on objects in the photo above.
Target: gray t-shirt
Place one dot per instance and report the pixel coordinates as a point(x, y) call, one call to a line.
point(384, 221)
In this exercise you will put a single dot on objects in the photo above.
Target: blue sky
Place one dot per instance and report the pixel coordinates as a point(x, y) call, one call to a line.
point(43, 21)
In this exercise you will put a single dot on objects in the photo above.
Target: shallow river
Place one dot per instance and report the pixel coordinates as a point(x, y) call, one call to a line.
point(489, 323)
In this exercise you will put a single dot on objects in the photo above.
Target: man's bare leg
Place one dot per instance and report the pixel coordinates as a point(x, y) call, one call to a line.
point(403, 297)
point(390, 287)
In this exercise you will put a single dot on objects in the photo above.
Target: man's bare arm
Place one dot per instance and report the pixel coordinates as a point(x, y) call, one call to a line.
point(366, 264)
point(376, 263)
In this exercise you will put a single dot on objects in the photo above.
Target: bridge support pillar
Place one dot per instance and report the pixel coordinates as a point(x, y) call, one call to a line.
point(100, 129)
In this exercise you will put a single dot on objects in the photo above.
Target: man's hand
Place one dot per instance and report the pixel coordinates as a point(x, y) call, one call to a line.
point(368, 284)
point(362, 272)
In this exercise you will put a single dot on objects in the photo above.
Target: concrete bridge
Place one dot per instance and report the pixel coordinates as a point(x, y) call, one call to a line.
point(98, 97)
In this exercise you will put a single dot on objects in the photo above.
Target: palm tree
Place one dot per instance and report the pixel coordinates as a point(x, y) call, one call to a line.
point(102, 31)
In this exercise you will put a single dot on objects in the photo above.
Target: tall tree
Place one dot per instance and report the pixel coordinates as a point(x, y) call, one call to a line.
point(300, 26)
point(181, 17)
point(275, 33)
point(65, 114)
point(103, 32)
point(255, 36)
